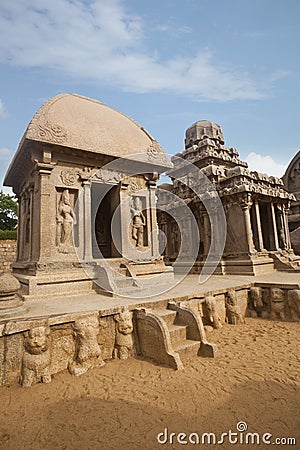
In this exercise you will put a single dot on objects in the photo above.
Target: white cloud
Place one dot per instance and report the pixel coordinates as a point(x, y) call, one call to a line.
point(265, 164)
point(5, 153)
point(3, 112)
point(100, 41)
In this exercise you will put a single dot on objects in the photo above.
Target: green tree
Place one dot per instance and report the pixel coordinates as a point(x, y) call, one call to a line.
point(8, 212)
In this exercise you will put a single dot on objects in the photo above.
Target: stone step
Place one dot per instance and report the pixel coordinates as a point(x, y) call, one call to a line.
point(187, 348)
point(177, 333)
point(167, 315)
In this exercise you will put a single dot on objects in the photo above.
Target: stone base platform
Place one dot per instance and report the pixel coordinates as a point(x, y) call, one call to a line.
point(76, 333)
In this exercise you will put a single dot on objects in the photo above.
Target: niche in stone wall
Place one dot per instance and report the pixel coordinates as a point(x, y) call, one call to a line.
point(66, 221)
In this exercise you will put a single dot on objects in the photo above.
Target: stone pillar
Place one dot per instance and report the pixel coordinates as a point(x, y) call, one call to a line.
point(274, 226)
point(153, 227)
point(87, 226)
point(207, 233)
point(46, 234)
point(286, 226)
point(246, 205)
point(20, 243)
point(259, 229)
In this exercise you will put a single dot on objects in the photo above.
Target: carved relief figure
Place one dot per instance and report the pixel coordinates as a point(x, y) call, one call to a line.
point(88, 353)
point(233, 311)
point(36, 359)
point(124, 329)
point(256, 305)
point(65, 220)
point(277, 304)
point(294, 304)
point(211, 306)
point(138, 221)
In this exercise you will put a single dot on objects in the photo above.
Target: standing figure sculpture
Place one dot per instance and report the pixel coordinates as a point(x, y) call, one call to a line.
point(138, 222)
point(65, 220)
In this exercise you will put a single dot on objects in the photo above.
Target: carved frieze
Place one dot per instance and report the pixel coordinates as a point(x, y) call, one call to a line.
point(109, 176)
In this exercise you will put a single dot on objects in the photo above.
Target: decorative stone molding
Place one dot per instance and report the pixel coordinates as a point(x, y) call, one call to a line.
point(108, 176)
point(69, 177)
point(51, 133)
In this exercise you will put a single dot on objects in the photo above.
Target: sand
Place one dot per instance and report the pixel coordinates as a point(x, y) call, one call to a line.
point(126, 404)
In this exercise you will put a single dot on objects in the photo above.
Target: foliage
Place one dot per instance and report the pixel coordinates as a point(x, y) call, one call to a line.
point(8, 212)
point(8, 235)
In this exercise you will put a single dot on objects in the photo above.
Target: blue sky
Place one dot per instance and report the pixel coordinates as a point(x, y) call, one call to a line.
point(164, 63)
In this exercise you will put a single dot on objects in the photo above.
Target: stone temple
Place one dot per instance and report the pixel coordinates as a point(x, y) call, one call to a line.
point(63, 165)
point(256, 207)
point(110, 266)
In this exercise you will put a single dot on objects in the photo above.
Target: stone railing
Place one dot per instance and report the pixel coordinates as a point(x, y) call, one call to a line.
point(7, 254)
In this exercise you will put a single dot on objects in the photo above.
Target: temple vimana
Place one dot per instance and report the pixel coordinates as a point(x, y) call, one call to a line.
point(112, 263)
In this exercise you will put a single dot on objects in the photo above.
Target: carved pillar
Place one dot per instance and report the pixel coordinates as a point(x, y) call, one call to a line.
point(259, 229)
point(21, 236)
point(87, 226)
point(46, 234)
point(286, 226)
point(274, 226)
point(153, 228)
point(246, 205)
point(207, 233)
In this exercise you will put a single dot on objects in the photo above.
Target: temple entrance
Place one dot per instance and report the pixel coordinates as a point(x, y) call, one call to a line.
point(105, 200)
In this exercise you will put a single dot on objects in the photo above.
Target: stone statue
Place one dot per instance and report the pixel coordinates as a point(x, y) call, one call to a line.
point(277, 304)
point(88, 353)
point(256, 305)
point(233, 311)
point(294, 304)
point(211, 306)
point(36, 359)
point(65, 220)
point(124, 329)
point(138, 221)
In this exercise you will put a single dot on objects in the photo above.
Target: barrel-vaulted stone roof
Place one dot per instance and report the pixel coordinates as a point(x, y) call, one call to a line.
point(77, 122)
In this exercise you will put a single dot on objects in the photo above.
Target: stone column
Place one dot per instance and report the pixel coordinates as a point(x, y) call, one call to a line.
point(20, 243)
point(207, 233)
point(87, 226)
point(246, 205)
point(259, 229)
point(46, 235)
point(153, 227)
point(286, 226)
point(274, 226)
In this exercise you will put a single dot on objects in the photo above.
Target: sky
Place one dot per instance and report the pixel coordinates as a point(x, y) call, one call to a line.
point(166, 64)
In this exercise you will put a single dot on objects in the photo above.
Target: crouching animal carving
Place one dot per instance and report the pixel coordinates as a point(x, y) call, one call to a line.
point(36, 359)
point(294, 304)
point(211, 307)
point(124, 329)
point(88, 353)
point(277, 304)
point(233, 311)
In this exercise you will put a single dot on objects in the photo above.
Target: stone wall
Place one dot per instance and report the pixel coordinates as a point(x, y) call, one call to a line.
point(7, 254)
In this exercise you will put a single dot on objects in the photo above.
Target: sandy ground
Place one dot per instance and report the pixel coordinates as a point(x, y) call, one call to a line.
point(125, 404)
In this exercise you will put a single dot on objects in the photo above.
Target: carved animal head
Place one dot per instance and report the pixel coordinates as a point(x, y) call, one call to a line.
point(36, 341)
point(231, 297)
point(86, 328)
point(294, 297)
point(277, 295)
point(124, 322)
point(256, 297)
